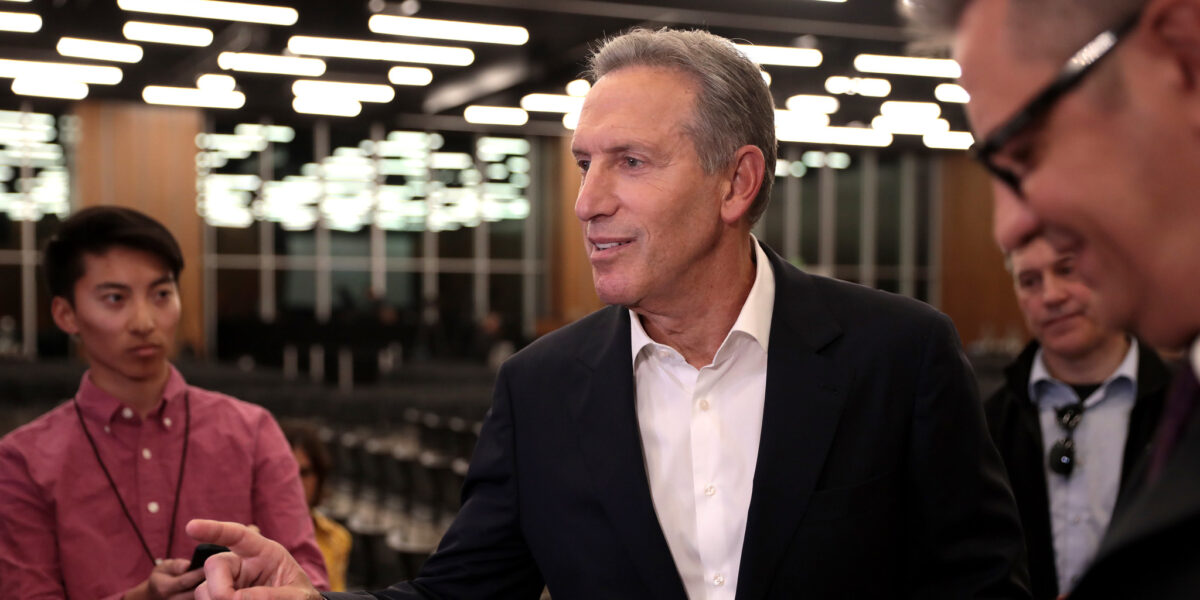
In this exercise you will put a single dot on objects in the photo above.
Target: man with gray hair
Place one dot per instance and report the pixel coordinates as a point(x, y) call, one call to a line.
point(730, 427)
point(1088, 116)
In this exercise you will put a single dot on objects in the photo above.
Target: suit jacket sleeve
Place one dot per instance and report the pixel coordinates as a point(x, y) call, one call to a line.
point(965, 534)
point(483, 554)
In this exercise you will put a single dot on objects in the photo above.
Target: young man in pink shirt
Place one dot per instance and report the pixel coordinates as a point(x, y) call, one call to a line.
point(94, 495)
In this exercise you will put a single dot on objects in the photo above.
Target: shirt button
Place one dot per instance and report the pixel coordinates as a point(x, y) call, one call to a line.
point(167, 421)
point(127, 413)
point(107, 429)
point(718, 580)
point(710, 490)
point(704, 405)
point(146, 453)
point(152, 507)
point(1076, 519)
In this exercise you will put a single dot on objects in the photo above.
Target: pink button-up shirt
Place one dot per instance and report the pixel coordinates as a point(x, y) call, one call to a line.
point(62, 532)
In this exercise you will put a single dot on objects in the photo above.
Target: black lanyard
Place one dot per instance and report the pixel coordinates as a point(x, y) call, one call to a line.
point(187, 429)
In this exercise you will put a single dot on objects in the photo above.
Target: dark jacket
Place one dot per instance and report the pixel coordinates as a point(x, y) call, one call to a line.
point(875, 475)
point(1015, 427)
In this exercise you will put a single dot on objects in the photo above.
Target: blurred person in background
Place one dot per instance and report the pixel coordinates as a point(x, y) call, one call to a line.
point(1077, 412)
point(94, 495)
point(730, 426)
point(1087, 114)
point(315, 465)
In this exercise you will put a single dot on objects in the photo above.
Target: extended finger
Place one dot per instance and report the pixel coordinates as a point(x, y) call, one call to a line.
point(237, 537)
point(173, 566)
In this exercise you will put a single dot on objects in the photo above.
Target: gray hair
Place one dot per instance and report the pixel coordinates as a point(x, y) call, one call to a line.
point(1046, 28)
point(733, 108)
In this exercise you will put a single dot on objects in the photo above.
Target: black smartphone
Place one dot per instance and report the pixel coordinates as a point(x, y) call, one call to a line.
point(201, 554)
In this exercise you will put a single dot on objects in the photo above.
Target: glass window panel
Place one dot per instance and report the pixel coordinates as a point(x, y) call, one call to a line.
point(810, 201)
point(505, 299)
point(296, 292)
point(772, 219)
point(887, 249)
point(238, 327)
point(238, 240)
point(344, 243)
point(10, 310)
point(456, 309)
point(849, 213)
point(404, 244)
point(506, 238)
point(351, 294)
point(10, 233)
point(459, 243)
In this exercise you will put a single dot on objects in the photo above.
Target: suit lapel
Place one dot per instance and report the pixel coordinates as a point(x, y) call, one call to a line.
point(1169, 501)
point(605, 414)
point(804, 398)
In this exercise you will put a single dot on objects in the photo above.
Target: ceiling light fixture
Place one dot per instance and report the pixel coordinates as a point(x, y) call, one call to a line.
point(578, 88)
point(782, 55)
point(949, 140)
point(20, 22)
point(951, 92)
point(495, 115)
point(106, 75)
point(914, 111)
point(861, 86)
point(551, 103)
point(389, 51)
point(845, 136)
point(362, 92)
point(97, 50)
point(907, 65)
point(50, 88)
point(157, 33)
point(322, 105)
point(410, 75)
point(812, 103)
point(271, 63)
point(448, 30)
point(216, 82)
point(215, 9)
point(179, 96)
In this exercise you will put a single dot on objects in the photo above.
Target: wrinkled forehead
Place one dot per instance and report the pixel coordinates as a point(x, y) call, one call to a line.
point(999, 77)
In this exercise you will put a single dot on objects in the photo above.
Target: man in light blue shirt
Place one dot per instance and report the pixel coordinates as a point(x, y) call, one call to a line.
point(1076, 413)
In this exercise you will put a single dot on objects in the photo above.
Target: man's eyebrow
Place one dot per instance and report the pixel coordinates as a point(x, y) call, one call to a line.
point(168, 278)
point(112, 285)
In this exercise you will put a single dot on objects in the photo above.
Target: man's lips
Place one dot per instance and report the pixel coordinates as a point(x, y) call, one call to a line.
point(145, 350)
point(1060, 319)
point(607, 245)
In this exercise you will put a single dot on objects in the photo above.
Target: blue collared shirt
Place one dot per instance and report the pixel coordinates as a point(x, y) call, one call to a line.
point(1081, 505)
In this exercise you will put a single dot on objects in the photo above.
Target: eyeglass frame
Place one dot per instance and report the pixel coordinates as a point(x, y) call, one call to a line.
point(1069, 76)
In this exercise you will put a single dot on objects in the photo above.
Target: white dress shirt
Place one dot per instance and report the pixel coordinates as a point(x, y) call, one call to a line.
point(1081, 505)
point(700, 432)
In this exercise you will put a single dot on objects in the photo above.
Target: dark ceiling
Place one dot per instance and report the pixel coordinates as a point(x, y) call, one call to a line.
point(561, 32)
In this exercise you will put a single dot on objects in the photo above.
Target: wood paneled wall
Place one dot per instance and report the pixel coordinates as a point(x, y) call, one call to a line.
point(977, 291)
point(144, 157)
point(571, 292)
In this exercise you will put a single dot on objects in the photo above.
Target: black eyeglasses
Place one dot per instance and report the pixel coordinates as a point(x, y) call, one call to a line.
point(1080, 64)
point(1062, 453)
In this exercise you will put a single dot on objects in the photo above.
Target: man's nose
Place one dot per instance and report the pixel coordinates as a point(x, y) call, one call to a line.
point(1053, 290)
point(1013, 223)
point(595, 197)
point(141, 320)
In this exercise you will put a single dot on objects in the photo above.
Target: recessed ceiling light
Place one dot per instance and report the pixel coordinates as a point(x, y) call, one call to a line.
point(215, 9)
point(448, 30)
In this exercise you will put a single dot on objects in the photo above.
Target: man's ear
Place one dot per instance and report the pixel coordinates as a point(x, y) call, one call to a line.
point(747, 178)
point(64, 315)
point(1176, 24)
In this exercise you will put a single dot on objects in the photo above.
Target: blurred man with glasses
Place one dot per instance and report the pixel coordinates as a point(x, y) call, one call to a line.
point(1076, 413)
point(1088, 114)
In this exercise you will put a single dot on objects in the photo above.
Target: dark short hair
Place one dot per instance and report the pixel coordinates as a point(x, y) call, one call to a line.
point(97, 229)
point(304, 435)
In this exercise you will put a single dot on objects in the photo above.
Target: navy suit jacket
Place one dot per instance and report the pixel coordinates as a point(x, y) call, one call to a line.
point(876, 477)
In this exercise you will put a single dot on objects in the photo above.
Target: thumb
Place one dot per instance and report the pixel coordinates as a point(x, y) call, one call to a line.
point(174, 566)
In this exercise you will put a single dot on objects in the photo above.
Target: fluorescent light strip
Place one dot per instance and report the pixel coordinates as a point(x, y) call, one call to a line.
point(495, 115)
point(551, 103)
point(951, 92)
point(271, 63)
point(215, 9)
point(910, 126)
point(215, 82)
point(20, 22)
point(861, 86)
point(389, 51)
point(448, 30)
point(913, 111)
point(781, 55)
point(362, 92)
point(50, 88)
point(410, 75)
point(158, 33)
point(845, 136)
point(812, 103)
point(788, 119)
point(907, 65)
point(571, 120)
point(578, 88)
point(105, 75)
point(949, 140)
point(177, 96)
point(337, 107)
point(97, 50)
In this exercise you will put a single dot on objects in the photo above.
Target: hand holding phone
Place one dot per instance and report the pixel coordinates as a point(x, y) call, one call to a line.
point(202, 552)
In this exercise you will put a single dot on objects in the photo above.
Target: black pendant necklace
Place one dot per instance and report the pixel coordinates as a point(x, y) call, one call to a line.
point(187, 429)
